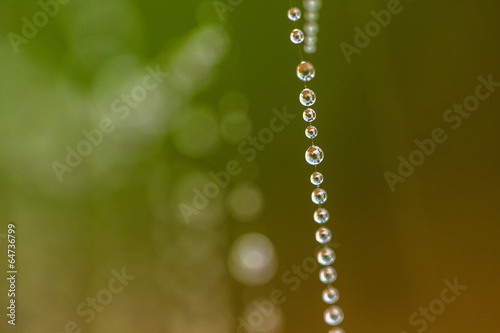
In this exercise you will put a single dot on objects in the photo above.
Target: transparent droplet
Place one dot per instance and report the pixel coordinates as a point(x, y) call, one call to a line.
point(328, 275)
point(297, 36)
point(321, 215)
point(305, 71)
point(311, 15)
point(334, 315)
point(323, 235)
point(336, 330)
point(309, 115)
point(294, 14)
point(314, 155)
point(330, 295)
point(307, 97)
point(316, 178)
point(326, 256)
point(312, 4)
point(311, 132)
point(309, 48)
point(318, 196)
point(311, 28)
point(310, 39)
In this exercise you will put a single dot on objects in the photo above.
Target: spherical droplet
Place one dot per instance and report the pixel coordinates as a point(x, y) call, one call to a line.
point(307, 97)
point(297, 36)
point(314, 155)
point(328, 275)
point(309, 115)
point(326, 256)
point(305, 71)
point(309, 48)
point(294, 14)
point(311, 28)
point(336, 330)
point(319, 196)
point(312, 4)
point(334, 315)
point(316, 178)
point(311, 15)
point(311, 132)
point(321, 215)
point(323, 235)
point(310, 39)
point(330, 295)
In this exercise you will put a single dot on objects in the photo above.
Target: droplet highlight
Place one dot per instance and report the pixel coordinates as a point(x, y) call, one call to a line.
point(305, 71)
point(314, 155)
point(294, 14)
point(326, 256)
point(307, 97)
point(330, 295)
point(297, 36)
point(323, 235)
point(328, 275)
point(334, 315)
point(318, 196)
point(321, 215)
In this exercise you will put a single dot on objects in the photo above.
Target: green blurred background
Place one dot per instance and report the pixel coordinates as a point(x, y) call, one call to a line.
point(120, 206)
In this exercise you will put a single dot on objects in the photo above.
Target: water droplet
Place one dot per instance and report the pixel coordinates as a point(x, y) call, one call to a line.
point(336, 330)
point(297, 36)
point(326, 256)
point(311, 28)
point(328, 274)
point(318, 196)
point(305, 71)
point(309, 48)
point(310, 39)
point(312, 4)
point(311, 15)
point(314, 155)
point(309, 115)
point(294, 14)
point(323, 235)
point(321, 215)
point(307, 97)
point(330, 295)
point(334, 315)
point(311, 132)
point(316, 178)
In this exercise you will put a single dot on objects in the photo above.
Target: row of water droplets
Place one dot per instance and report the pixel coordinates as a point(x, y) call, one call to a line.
point(314, 155)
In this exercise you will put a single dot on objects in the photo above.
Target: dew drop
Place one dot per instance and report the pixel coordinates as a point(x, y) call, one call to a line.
point(334, 315)
point(319, 196)
point(309, 115)
point(305, 71)
point(311, 132)
point(330, 295)
point(328, 275)
point(297, 36)
point(311, 15)
point(314, 155)
point(321, 215)
point(312, 4)
point(326, 256)
point(323, 235)
point(309, 48)
point(317, 178)
point(311, 28)
point(294, 14)
point(307, 97)
point(310, 39)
